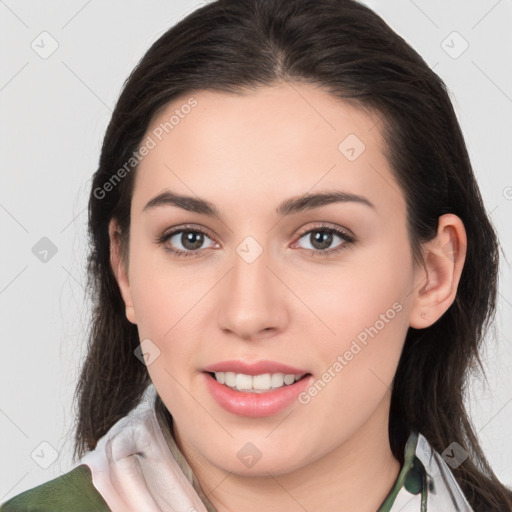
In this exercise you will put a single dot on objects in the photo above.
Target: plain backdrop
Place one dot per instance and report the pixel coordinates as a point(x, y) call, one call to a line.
point(62, 65)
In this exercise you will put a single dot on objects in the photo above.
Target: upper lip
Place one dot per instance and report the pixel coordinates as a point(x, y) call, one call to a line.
point(254, 368)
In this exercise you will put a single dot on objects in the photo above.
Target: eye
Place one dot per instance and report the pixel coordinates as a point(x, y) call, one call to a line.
point(322, 237)
point(184, 241)
point(188, 241)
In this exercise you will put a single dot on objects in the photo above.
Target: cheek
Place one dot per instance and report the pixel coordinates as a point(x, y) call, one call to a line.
point(364, 313)
point(162, 292)
point(166, 301)
point(356, 364)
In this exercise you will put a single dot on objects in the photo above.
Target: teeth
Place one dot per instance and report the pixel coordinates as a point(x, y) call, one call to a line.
point(256, 383)
point(261, 381)
point(230, 379)
point(243, 381)
point(289, 379)
point(277, 380)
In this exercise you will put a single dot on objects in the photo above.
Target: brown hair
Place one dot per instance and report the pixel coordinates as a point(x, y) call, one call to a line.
point(238, 45)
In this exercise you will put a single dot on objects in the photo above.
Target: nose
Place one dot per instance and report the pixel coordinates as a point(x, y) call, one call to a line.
point(252, 301)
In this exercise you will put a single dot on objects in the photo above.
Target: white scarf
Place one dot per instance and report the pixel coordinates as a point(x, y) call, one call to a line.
point(134, 469)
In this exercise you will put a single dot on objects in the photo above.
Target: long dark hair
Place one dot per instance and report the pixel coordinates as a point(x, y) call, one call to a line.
point(238, 45)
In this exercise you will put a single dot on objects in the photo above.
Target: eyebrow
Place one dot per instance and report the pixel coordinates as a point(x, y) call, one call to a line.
point(290, 206)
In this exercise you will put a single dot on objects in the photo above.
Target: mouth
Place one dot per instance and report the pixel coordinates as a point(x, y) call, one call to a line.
point(255, 390)
point(260, 383)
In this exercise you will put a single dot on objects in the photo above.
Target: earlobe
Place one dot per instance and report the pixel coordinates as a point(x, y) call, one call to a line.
point(437, 280)
point(119, 270)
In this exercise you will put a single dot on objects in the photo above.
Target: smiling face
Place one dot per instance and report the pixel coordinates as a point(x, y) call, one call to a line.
point(297, 263)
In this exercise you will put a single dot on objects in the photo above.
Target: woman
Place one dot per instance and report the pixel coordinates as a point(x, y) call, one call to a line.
point(293, 271)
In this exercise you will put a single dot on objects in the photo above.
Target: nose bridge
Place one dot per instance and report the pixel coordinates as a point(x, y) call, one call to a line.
point(250, 279)
point(250, 268)
point(252, 299)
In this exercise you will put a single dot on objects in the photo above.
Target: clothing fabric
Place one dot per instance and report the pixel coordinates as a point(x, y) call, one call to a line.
point(137, 466)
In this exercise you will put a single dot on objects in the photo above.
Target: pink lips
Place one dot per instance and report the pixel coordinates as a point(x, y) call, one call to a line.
point(255, 404)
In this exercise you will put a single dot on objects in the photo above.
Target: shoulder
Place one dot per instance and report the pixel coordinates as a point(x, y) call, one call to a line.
point(73, 490)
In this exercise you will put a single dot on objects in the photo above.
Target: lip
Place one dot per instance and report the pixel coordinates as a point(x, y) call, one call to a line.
point(256, 368)
point(255, 405)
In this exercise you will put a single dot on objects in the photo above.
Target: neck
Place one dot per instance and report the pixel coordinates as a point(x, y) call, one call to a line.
point(357, 475)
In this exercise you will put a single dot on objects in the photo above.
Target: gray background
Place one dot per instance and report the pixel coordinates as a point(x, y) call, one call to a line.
point(54, 110)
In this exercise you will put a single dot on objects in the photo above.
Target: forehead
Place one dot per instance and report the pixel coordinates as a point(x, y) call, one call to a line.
point(273, 141)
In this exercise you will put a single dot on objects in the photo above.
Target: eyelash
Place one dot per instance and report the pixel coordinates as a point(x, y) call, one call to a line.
point(348, 239)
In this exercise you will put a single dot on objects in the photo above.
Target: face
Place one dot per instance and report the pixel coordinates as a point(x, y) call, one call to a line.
point(269, 285)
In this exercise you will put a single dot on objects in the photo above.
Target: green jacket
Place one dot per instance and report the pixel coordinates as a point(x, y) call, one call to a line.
point(137, 466)
point(72, 492)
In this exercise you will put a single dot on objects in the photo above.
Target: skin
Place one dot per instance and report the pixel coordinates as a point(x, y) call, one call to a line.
point(246, 154)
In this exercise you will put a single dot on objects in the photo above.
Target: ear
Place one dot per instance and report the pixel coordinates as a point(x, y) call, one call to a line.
point(119, 269)
point(437, 280)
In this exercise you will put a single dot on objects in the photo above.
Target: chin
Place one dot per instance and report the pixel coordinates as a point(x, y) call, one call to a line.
point(258, 459)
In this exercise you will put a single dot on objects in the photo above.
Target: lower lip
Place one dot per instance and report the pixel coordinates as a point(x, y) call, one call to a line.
point(255, 405)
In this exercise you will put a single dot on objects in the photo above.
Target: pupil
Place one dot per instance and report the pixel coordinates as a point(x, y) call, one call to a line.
point(321, 239)
point(192, 240)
